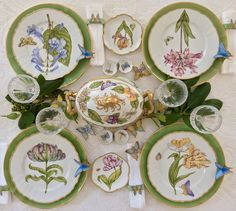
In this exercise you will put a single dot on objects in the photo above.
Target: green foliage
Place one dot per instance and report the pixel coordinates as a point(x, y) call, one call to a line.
point(59, 33)
point(94, 116)
point(95, 84)
point(119, 89)
point(108, 181)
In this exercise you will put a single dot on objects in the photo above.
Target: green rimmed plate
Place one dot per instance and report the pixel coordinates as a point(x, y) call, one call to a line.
point(178, 165)
point(45, 40)
point(40, 169)
point(177, 31)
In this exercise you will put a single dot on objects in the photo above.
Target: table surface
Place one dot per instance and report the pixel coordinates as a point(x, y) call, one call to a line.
point(90, 197)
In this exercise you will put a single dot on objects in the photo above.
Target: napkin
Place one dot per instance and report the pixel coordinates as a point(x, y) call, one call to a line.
point(95, 25)
point(136, 198)
point(228, 20)
point(4, 195)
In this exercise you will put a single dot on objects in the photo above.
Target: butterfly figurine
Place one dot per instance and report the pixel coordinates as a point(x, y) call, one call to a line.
point(222, 52)
point(222, 170)
point(84, 53)
point(26, 41)
point(134, 151)
point(86, 130)
point(81, 167)
point(140, 71)
point(168, 39)
point(186, 189)
point(135, 128)
point(107, 84)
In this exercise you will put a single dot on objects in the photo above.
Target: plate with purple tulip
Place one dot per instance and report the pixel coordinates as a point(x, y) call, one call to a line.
point(48, 39)
point(45, 171)
point(182, 41)
point(178, 165)
point(110, 172)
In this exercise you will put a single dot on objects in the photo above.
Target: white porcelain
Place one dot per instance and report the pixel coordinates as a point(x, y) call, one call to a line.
point(110, 172)
point(201, 163)
point(110, 68)
point(198, 56)
point(125, 65)
point(121, 137)
point(109, 102)
point(117, 39)
point(29, 42)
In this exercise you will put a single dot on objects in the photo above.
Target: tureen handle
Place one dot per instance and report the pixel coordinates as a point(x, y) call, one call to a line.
point(149, 95)
point(69, 107)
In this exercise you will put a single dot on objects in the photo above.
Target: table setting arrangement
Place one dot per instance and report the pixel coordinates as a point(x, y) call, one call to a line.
point(49, 47)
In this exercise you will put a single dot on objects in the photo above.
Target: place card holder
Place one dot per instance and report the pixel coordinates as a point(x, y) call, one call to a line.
point(229, 23)
point(95, 24)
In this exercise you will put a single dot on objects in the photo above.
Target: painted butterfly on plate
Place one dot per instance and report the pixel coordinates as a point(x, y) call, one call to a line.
point(186, 189)
point(168, 39)
point(86, 130)
point(134, 151)
point(84, 53)
point(81, 167)
point(140, 71)
point(107, 84)
point(222, 170)
point(222, 52)
point(26, 41)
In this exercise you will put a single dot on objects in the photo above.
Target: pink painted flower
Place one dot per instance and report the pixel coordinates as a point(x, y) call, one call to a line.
point(111, 162)
point(180, 62)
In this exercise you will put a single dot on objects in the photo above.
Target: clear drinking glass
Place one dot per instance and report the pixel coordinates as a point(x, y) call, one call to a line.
point(51, 121)
point(172, 93)
point(23, 89)
point(206, 119)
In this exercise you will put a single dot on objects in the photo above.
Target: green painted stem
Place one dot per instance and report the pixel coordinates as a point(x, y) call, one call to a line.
point(46, 166)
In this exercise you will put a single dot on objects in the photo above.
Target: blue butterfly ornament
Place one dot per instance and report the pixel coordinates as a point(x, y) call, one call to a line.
point(85, 54)
point(81, 167)
point(222, 52)
point(221, 170)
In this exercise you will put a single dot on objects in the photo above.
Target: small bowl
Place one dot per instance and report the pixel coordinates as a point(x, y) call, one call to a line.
point(121, 137)
point(125, 66)
point(110, 68)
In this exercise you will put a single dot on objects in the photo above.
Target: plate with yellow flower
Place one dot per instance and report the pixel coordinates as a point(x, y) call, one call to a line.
point(41, 170)
point(178, 165)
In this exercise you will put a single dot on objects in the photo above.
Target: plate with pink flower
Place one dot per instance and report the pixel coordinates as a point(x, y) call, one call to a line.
point(42, 170)
point(181, 41)
point(110, 172)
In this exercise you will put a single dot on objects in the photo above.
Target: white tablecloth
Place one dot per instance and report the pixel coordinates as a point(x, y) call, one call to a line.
point(92, 198)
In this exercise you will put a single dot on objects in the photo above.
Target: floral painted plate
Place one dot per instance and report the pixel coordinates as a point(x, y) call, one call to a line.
point(122, 34)
point(181, 41)
point(178, 165)
point(110, 172)
point(46, 39)
point(40, 169)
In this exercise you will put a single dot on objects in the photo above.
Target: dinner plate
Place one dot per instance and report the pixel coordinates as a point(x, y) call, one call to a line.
point(178, 165)
point(181, 40)
point(46, 39)
point(40, 169)
point(122, 34)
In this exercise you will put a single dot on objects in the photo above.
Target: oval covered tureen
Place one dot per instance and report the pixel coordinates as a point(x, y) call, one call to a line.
point(109, 102)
